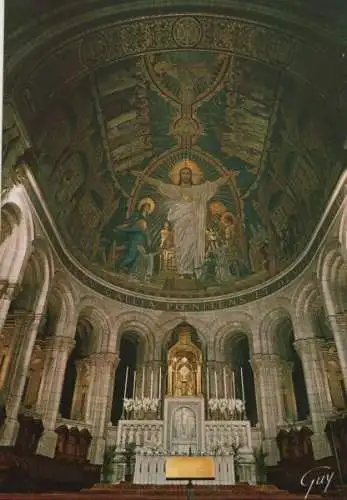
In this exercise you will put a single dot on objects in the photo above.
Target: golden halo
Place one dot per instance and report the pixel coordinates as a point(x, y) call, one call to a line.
point(227, 218)
point(149, 201)
point(195, 169)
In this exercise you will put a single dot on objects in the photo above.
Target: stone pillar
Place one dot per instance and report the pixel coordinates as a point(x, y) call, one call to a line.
point(17, 375)
point(111, 390)
point(81, 402)
point(319, 400)
point(338, 324)
point(58, 351)
point(34, 377)
point(334, 375)
point(104, 368)
point(287, 391)
point(7, 294)
point(267, 378)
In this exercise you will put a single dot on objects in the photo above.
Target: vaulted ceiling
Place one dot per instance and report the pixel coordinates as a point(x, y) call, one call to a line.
point(111, 101)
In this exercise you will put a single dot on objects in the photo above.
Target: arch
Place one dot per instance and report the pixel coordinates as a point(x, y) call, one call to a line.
point(306, 303)
point(143, 325)
point(169, 325)
point(89, 310)
point(43, 265)
point(37, 277)
point(63, 299)
point(268, 328)
point(331, 272)
point(16, 249)
point(343, 229)
point(231, 329)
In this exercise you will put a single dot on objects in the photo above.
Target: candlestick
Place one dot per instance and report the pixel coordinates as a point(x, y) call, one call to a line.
point(207, 383)
point(126, 381)
point(151, 384)
point(234, 387)
point(134, 385)
point(242, 385)
point(215, 384)
point(143, 382)
point(225, 383)
point(159, 388)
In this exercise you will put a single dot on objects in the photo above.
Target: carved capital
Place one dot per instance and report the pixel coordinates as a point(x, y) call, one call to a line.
point(265, 361)
point(101, 359)
point(61, 344)
point(308, 348)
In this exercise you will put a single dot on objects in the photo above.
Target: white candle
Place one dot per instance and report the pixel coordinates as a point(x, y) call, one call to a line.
point(134, 385)
point(225, 383)
point(215, 384)
point(207, 383)
point(126, 382)
point(233, 388)
point(152, 384)
point(159, 388)
point(242, 385)
point(143, 383)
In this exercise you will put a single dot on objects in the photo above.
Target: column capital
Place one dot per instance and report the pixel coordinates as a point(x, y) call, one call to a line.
point(308, 347)
point(104, 358)
point(262, 360)
point(60, 343)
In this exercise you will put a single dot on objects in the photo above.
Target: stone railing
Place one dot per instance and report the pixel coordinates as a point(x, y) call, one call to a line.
point(142, 432)
point(228, 434)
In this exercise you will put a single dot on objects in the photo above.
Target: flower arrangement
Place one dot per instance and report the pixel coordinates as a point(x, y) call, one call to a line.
point(227, 408)
point(141, 407)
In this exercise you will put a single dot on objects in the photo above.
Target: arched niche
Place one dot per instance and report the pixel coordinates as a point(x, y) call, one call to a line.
point(183, 352)
point(48, 324)
point(131, 355)
point(76, 384)
point(237, 353)
point(332, 363)
point(45, 331)
point(27, 302)
point(293, 386)
point(322, 327)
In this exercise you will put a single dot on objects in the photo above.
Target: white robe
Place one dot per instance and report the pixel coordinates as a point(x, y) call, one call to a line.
point(188, 220)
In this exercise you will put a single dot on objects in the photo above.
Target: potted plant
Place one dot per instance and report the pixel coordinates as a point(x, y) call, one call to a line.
point(107, 466)
point(259, 456)
point(129, 456)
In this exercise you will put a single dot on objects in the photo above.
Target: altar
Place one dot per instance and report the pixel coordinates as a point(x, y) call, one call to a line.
point(185, 421)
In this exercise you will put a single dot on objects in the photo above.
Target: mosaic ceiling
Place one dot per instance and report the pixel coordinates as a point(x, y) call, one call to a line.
point(189, 171)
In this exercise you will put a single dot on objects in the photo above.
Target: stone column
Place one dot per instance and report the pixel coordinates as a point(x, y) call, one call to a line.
point(7, 294)
point(338, 322)
point(58, 351)
point(334, 375)
point(104, 369)
point(81, 402)
point(267, 378)
point(17, 375)
point(34, 377)
point(318, 398)
point(111, 390)
point(287, 391)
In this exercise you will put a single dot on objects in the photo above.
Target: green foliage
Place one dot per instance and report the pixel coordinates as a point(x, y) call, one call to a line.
point(107, 467)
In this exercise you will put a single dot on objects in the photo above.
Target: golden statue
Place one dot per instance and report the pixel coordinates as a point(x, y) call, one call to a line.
point(184, 367)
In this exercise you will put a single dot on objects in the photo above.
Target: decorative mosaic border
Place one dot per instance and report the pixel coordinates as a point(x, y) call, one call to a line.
point(311, 62)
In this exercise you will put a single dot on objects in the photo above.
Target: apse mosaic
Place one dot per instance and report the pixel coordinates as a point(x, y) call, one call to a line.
point(186, 173)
